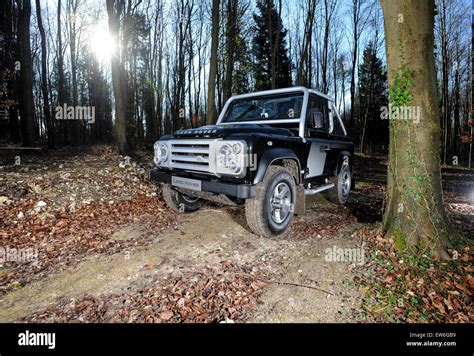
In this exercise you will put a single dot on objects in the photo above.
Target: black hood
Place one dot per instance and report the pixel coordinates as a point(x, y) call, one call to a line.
point(221, 131)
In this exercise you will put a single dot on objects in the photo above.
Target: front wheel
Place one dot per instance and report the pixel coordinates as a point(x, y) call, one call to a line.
point(270, 212)
point(340, 193)
point(180, 202)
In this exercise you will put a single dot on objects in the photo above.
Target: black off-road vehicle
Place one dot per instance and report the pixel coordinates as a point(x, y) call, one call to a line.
point(267, 150)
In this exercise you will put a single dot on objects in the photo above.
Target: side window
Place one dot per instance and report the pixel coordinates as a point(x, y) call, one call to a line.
point(337, 129)
point(317, 115)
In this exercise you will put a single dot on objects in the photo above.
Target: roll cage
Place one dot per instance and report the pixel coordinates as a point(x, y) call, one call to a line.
point(301, 121)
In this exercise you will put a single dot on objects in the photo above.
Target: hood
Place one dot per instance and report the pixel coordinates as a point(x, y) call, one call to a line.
point(221, 131)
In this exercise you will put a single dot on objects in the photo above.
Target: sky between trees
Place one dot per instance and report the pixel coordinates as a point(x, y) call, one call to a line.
point(164, 47)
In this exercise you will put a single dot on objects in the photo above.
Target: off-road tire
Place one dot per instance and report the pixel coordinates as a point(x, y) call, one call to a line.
point(258, 210)
point(180, 202)
point(342, 186)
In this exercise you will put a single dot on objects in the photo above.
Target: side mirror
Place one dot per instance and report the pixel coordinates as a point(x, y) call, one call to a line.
point(316, 120)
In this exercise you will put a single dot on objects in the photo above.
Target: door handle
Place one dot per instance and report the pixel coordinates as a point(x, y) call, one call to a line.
point(326, 148)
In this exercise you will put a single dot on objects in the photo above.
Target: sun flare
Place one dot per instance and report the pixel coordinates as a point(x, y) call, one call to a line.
point(101, 43)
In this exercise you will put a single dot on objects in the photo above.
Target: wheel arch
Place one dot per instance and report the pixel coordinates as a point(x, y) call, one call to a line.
point(340, 161)
point(278, 157)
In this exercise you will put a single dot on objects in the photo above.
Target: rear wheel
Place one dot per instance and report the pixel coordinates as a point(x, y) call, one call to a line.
point(180, 202)
point(270, 212)
point(340, 193)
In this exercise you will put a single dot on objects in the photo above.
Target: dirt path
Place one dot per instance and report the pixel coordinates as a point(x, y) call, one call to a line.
point(297, 304)
point(108, 250)
point(204, 239)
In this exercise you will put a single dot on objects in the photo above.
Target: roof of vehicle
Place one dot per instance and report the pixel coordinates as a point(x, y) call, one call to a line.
point(301, 120)
point(281, 91)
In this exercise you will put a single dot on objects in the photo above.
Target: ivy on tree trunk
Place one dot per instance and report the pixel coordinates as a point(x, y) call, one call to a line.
point(415, 214)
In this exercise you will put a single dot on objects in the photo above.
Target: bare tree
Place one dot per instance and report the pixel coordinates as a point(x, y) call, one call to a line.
point(359, 14)
point(211, 90)
point(275, 46)
point(27, 110)
point(62, 94)
point(115, 9)
point(329, 9)
point(444, 70)
point(302, 79)
point(232, 7)
point(44, 80)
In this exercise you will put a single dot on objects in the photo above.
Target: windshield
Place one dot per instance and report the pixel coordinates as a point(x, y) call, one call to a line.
point(265, 108)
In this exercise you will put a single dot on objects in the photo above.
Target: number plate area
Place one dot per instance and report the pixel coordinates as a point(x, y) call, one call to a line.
point(192, 184)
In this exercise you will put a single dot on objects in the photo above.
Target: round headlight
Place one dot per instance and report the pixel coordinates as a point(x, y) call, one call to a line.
point(225, 155)
point(157, 155)
point(164, 153)
point(236, 148)
point(161, 153)
point(234, 166)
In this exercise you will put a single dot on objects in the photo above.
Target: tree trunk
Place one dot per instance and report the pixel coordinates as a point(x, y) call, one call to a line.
point(307, 42)
point(114, 11)
point(27, 110)
point(181, 70)
point(62, 97)
point(356, 8)
point(445, 79)
point(160, 97)
point(211, 89)
point(10, 45)
point(231, 23)
point(470, 149)
point(276, 46)
point(72, 13)
point(329, 7)
point(368, 105)
point(44, 80)
point(415, 214)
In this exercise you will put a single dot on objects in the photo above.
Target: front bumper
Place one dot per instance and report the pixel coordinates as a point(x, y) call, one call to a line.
point(241, 191)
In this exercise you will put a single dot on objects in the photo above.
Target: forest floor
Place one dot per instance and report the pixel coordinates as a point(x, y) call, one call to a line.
point(85, 237)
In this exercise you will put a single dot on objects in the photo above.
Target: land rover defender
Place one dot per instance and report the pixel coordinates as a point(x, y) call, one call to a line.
point(268, 150)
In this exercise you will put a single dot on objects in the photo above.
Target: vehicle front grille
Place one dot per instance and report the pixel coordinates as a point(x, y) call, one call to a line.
point(190, 155)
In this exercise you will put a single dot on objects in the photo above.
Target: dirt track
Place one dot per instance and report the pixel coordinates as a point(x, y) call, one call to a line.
point(106, 241)
point(204, 239)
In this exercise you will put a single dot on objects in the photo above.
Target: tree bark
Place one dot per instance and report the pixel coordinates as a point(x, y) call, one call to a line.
point(9, 103)
point(72, 6)
point(62, 96)
point(211, 88)
point(302, 79)
point(445, 78)
point(415, 214)
point(44, 80)
point(276, 46)
point(231, 23)
point(329, 8)
point(356, 23)
point(114, 11)
point(181, 70)
point(27, 110)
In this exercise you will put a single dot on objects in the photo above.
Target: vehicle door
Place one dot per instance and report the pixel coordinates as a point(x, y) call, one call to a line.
point(317, 136)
